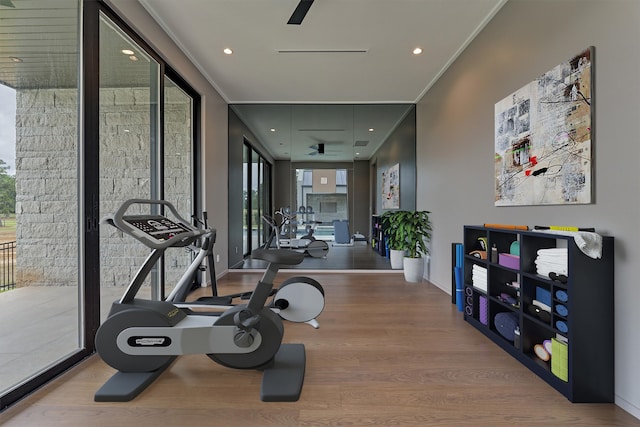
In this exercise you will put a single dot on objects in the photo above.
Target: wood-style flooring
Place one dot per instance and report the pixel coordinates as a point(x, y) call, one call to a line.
point(387, 353)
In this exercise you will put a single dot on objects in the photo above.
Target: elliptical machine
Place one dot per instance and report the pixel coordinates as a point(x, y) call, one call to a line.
point(141, 338)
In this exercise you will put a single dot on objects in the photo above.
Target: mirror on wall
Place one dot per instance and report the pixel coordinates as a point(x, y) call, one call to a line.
point(323, 178)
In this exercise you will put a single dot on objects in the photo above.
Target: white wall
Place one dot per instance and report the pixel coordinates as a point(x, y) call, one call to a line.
point(214, 120)
point(455, 142)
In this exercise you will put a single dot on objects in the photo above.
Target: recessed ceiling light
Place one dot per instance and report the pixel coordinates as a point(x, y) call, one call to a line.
point(417, 51)
point(127, 52)
point(227, 51)
point(15, 59)
point(133, 58)
point(272, 129)
point(371, 129)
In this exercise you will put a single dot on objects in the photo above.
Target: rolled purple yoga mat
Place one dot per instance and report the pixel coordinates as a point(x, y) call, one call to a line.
point(484, 315)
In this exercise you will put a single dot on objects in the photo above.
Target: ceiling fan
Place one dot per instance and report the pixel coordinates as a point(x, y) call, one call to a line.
point(317, 149)
point(319, 146)
point(300, 12)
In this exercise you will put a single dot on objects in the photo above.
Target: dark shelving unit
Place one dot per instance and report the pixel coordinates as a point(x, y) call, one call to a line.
point(582, 309)
point(377, 235)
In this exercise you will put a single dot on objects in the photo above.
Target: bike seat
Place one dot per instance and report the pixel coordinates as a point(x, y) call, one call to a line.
point(278, 256)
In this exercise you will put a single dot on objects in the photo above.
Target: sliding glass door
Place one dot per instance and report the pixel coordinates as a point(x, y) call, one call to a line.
point(72, 149)
point(129, 135)
point(40, 315)
point(140, 158)
point(256, 198)
point(179, 169)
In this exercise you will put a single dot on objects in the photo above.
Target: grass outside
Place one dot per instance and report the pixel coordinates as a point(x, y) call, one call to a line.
point(8, 229)
point(7, 234)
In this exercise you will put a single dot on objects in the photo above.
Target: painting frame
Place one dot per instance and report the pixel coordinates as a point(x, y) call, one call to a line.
point(391, 187)
point(544, 138)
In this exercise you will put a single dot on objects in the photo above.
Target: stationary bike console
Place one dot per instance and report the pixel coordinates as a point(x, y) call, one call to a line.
point(154, 230)
point(156, 227)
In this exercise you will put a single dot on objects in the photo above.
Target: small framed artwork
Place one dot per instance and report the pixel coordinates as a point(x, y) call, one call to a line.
point(391, 188)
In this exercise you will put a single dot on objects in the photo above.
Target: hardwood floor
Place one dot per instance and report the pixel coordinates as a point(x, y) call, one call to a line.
point(387, 353)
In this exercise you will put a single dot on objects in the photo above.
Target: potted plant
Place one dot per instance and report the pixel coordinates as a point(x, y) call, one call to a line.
point(414, 231)
point(393, 237)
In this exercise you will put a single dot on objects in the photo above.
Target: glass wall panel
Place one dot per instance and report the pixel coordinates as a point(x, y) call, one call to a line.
point(265, 200)
point(257, 198)
point(246, 200)
point(322, 199)
point(39, 291)
point(178, 168)
point(129, 117)
point(256, 192)
point(354, 144)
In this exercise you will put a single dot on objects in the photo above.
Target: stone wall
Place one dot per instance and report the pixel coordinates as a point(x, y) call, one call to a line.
point(46, 187)
point(47, 183)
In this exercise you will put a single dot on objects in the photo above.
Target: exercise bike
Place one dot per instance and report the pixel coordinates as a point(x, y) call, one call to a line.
point(283, 236)
point(300, 288)
point(141, 338)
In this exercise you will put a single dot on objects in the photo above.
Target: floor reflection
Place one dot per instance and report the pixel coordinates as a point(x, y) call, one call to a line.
point(360, 256)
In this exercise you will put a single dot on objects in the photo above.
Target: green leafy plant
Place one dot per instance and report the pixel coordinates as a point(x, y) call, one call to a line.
point(391, 227)
point(414, 231)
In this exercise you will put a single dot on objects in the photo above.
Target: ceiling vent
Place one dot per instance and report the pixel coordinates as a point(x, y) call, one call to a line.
point(361, 143)
point(322, 50)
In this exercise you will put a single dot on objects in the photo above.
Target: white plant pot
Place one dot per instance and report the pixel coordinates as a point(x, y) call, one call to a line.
point(413, 269)
point(396, 256)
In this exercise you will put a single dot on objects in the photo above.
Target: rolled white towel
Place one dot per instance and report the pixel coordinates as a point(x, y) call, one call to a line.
point(558, 268)
point(539, 260)
point(552, 251)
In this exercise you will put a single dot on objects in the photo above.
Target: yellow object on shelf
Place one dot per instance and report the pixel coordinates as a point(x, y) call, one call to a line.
point(563, 228)
point(560, 359)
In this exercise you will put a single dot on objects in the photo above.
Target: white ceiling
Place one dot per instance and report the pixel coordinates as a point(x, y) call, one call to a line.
point(344, 52)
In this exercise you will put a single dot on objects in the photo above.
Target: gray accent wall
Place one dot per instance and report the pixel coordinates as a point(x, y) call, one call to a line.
point(360, 220)
point(399, 148)
point(455, 151)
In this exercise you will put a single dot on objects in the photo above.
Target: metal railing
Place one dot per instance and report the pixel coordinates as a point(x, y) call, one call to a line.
point(7, 265)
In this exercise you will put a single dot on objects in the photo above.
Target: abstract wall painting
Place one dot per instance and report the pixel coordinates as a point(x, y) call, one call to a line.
point(543, 135)
point(391, 188)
